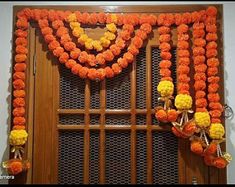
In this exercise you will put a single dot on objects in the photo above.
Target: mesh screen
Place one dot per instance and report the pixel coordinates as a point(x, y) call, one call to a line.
point(95, 94)
point(70, 158)
point(141, 79)
point(72, 90)
point(140, 119)
point(119, 90)
point(94, 119)
point(71, 119)
point(118, 120)
point(118, 154)
point(94, 158)
point(165, 158)
point(141, 157)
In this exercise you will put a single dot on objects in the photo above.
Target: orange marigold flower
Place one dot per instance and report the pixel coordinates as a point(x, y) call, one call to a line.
point(213, 62)
point(211, 45)
point(19, 93)
point(18, 112)
point(57, 24)
point(61, 31)
point(165, 46)
point(209, 159)
point(91, 60)
point(211, 71)
point(182, 87)
point(21, 41)
point(133, 49)
point(83, 57)
point(178, 133)
point(21, 49)
point(15, 167)
point(84, 18)
point(199, 60)
point(22, 23)
point(215, 105)
point(199, 76)
point(213, 79)
point(129, 57)
point(210, 53)
point(201, 103)
point(93, 18)
point(75, 69)
point(19, 121)
point(213, 87)
point(137, 41)
point(165, 72)
point(21, 33)
point(46, 30)
point(163, 30)
point(49, 38)
point(83, 72)
point(74, 54)
point(120, 43)
point(200, 68)
point(164, 38)
point(170, 19)
point(101, 17)
point(165, 64)
point(64, 57)
point(190, 127)
point(199, 42)
point(20, 58)
point(199, 33)
point(165, 55)
point(184, 61)
point(183, 28)
point(183, 37)
point(108, 55)
point(183, 53)
point(100, 59)
point(220, 162)
point(101, 73)
point(183, 78)
point(211, 28)
point(211, 11)
point(128, 27)
point(213, 97)
point(20, 67)
point(161, 18)
point(178, 19)
point(182, 69)
point(161, 115)
point(198, 51)
point(211, 37)
point(183, 45)
point(125, 35)
point(186, 18)
point(53, 45)
point(196, 16)
point(141, 34)
point(146, 27)
point(52, 15)
point(18, 102)
point(200, 94)
point(196, 147)
point(65, 38)
point(109, 72)
point(210, 21)
point(18, 84)
point(43, 23)
point(58, 51)
point(26, 13)
point(215, 113)
point(116, 68)
point(70, 63)
point(215, 120)
point(92, 74)
point(19, 75)
point(69, 46)
point(122, 62)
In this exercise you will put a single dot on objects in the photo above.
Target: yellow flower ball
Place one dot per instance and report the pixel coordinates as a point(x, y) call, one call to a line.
point(183, 102)
point(111, 27)
point(104, 42)
point(202, 119)
point(72, 18)
point(97, 45)
point(18, 137)
point(109, 35)
point(74, 25)
point(78, 31)
point(165, 88)
point(83, 38)
point(88, 44)
point(216, 131)
point(114, 18)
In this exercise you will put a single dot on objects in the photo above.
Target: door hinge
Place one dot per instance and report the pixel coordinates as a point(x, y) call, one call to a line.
point(194, 180)
point(34, 64)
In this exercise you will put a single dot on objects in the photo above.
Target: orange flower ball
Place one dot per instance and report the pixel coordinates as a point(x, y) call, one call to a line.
point(53, 45)
point(21, 49)
point(116, 68)
point(177, 133)
point(115, 49)
point(165, 46)
point(18, 111)
point(213, 88)
point(101, 73)
point(108, 55)
point(93, 19)
point(46, 30)
point(183, 45)
point(165, 55)
point(202, 102)
point(18, 84)
point(165, 64)
point(137, 41)
point(211, 149)
point(209, 160)
point(196, 147)
point(19, 102)
point(83, 72)
point(184, 61)
point(220, 162)
point(200, 68)
point(56, 24)
point(128, 27)
point(189, 128)
point(216, 105)
point(70, 63)
point(211, 37)
point(211, 45)
point(100, 59)
point(20, 67)
point(199, 42)
point(198, 51)
point(212, 71)
point(19, 93)
point(199, 60)
point(200, 94)
point(161, 115)
point(183, 37)
point(215, 113)
point(22, 23)
point(210, 53)
point(199, 85)
point(61, 31)
point(183, 53)
point(92, 74)
point(141, 34)
point(198, 26)
point(146, 27)
point(211, 28)
point(69, 46)
point(133, 50)
point(183, 28)
point(49, 38)
point(19, 75)
point(163, 30)
point(165, 72)
point(101, 17)
point(64, 57)
point(19, 121)
point(183, 78)
point(164, 38)
point(109, 72)
point(76, 68)
point(186, 18)
point(213, 97)
point(120, 43)
point(74, 54)
point(21, 33)
point(20, 58)
point(18, 127)
point(125, 35)
point(182, 69)
point(15, 167)
point(200, 77)
point(21, 41)
point(199, 33)
point(213, 79)
point(129, 57)
point(43, 23)
point(122, 62)
point(172, 115)
point(211, 11)
point(58, 51)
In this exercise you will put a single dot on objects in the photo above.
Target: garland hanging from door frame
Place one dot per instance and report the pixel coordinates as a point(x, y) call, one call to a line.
point(88, 58)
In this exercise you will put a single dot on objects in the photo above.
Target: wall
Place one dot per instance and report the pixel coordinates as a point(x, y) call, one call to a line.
point(6, 12)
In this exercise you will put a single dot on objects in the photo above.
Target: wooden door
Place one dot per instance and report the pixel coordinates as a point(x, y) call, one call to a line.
point(104, 132)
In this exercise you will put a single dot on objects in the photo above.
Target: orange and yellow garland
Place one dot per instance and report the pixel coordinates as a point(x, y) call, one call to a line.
point(78, 57)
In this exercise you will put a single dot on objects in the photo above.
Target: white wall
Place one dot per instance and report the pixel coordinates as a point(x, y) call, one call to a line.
point(5, 68)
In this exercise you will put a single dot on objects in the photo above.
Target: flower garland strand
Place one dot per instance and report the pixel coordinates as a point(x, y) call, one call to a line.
point(165, 87)
point(216, 129)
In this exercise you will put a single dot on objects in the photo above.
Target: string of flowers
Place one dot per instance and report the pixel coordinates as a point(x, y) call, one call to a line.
point(216, 129)
point(165, 87)
point(183, 127)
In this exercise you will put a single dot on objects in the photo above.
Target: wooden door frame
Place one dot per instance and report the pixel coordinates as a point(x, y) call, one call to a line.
point(214, 175)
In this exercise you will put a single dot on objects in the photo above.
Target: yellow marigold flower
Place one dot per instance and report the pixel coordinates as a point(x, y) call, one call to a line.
point(72, 18)
point(183, 102)
point(74, 25)
point(165, 88)
point(97, 45)
point(104, 42)
point(202, 119)
point(78, 31)
point(110, 36)
point(111, 27)
point(88, 44)
point(114, 18)
point(216, 131)
point(18, 137)
point(83, 38)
